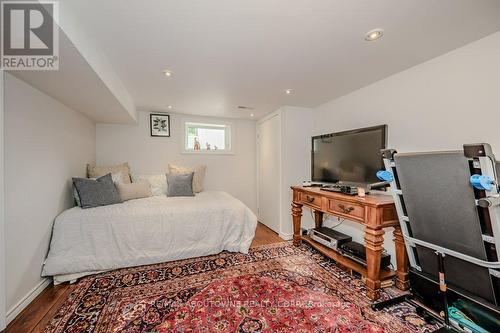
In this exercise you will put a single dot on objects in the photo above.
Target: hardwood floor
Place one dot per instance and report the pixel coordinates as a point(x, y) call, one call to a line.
point(43, 308)
point(264, 235)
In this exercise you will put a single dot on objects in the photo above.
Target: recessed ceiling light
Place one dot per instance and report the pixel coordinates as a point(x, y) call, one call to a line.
point(251, 114)
point(169, 106)
point(167, 73)
point(288, 91)
point(374, 34)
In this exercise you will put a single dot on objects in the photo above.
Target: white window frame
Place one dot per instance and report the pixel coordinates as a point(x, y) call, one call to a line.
point(229, 137)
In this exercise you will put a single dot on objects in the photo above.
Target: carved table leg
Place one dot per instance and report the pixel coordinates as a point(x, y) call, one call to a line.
point(374, 241)
point(318, 219)
point(296, 217)
point(402, 280)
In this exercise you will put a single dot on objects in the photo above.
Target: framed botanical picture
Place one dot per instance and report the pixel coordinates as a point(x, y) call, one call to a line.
point(159, 124)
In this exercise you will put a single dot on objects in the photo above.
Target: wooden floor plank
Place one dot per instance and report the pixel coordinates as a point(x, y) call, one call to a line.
point(38, 309)
point(264, 235)
point(36, 316)
point(53, 310)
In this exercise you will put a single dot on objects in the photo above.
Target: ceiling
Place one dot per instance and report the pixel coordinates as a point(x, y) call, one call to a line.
point(226, 53)
point(76, 84)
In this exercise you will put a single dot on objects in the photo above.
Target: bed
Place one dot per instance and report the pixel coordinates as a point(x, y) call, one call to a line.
point(147, 231)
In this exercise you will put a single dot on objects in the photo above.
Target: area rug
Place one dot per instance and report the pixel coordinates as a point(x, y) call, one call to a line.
point(275, 288)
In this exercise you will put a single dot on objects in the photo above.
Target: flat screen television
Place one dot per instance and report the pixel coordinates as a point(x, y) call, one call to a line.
point(350, 157)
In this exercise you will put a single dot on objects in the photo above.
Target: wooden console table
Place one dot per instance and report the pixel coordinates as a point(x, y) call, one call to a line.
point(375, 212)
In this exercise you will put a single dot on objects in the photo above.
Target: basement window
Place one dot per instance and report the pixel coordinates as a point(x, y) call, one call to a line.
point(207, 138)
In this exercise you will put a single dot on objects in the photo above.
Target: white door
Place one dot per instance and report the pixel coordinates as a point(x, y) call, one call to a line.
point(269, 159)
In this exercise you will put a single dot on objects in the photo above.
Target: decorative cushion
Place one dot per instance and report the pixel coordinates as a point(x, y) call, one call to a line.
point(117, 178)
point(198, 178)
point(180, 184)
point(99, 171)
point(133, 190)
point(99, 192)
point(76, 197)
point(158, 183)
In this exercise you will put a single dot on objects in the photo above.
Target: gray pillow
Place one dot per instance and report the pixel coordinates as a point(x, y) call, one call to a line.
point(99, 192)
point(180, 184)
point(117, 178)
point(76, 197)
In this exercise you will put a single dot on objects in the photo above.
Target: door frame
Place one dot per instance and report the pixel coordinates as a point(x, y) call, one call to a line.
point(2, 206)
point(276, 113)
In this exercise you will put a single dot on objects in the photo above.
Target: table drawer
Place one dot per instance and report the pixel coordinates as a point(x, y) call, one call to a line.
point(348, 209)
point(312, 200)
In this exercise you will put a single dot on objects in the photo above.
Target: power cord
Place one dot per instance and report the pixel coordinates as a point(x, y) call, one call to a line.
point(322, 222)
point(312, 215)
point(335, 226)
point(340, 222)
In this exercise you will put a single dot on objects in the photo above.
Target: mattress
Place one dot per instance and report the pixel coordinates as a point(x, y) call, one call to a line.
point(147, 231)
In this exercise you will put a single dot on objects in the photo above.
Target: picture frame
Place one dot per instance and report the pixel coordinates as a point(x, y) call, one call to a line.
point(159, 125)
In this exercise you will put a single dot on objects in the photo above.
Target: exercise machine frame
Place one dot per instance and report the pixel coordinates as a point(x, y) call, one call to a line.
point(481, 162)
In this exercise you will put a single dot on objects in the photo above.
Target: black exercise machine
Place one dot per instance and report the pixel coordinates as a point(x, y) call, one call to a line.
point(448, 206)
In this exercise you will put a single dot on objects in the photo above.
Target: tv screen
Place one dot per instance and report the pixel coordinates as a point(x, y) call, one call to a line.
point(348, 157)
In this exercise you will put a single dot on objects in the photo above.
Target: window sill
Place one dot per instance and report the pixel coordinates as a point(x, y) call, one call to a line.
point(208, 152)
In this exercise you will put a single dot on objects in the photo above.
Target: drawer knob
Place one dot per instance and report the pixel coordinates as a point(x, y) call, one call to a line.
point(309, 199)
point(346, 210)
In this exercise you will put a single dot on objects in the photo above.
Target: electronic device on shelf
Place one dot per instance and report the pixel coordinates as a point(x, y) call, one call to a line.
point(350, 190)
point(357, 252)
point(329, 237)
point(308, 183)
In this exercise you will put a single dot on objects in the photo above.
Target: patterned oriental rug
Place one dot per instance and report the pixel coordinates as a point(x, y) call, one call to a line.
point(275, 288)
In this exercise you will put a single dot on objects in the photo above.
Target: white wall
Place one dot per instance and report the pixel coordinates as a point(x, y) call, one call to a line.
point(297, 127)
point(441, 104)
point(235, 174)
point(2, 207)
point(46, 144)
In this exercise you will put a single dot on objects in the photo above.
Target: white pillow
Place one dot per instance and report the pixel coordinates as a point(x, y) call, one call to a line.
point(158, 183)
point(117, 177)
point(198, 178)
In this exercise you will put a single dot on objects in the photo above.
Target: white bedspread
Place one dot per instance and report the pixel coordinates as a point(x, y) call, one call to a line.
point(147, 231)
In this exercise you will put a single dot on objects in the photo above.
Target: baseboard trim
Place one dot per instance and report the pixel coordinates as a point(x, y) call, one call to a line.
point(285, 236)
point(23, 303)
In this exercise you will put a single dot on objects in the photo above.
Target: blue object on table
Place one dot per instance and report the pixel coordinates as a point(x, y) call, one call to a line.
point(482, 182)
point(385, 175)
point(458, 316)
